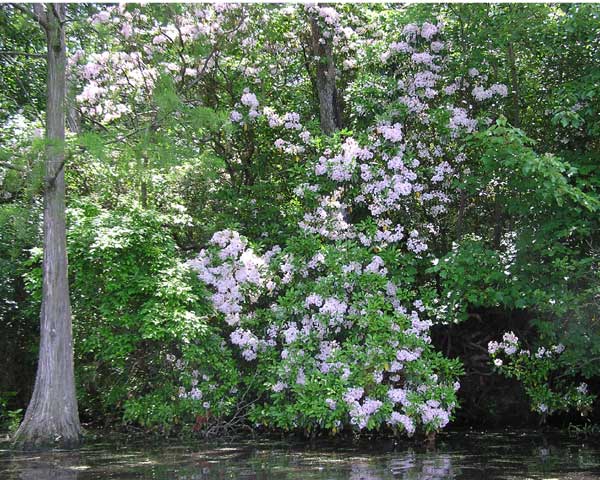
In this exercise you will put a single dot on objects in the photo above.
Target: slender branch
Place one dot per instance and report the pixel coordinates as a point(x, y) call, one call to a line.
point(215, 49)
point(26, 91)
point(122, 138)
point(94, 121)
point(11, 166)
point(15, 53)
point(37, 13)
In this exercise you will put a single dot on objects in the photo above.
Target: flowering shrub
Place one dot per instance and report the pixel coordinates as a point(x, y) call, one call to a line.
point(542, 374)
point(332, 339)
point(338, 333)
point(393, 182)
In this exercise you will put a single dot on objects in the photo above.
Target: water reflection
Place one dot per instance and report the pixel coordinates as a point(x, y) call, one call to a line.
point(44, 466)
point(458, 456)
point(414, 467)
point(408, 466)
point(48, 473)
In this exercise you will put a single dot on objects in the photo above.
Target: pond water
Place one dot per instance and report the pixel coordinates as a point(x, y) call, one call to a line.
point(458, 455)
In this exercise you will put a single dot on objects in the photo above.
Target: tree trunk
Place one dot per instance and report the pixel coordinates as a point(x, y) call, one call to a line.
point(144, 183)
point(52, 417)
point(460, 218)
point(514, 86)
point(329, 108)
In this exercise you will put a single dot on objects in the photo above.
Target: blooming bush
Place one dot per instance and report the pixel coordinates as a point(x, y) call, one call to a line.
point(333, 341)
point(334, 323)
point(542, 373)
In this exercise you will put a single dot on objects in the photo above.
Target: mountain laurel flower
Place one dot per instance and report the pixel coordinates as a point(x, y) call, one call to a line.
point(353, 394)
point(249, 99)
point(493, 347)
point(397, 418)
point(437, 46)
point(235, 116)
point(301, 377)
point(195, 394)
point(126, 30)
point(428, 30)
point(397, 395)
point(392, 133)
point(279, 386)
point(541, 352)
point(582, 388)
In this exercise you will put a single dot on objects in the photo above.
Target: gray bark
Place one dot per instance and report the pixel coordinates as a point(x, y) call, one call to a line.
point(329, 108)
point(52, 417)
point(73, 119)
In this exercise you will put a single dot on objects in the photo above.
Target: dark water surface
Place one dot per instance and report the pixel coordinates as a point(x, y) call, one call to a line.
point(458, 455)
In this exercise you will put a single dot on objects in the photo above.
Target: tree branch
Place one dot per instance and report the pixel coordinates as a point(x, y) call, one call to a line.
point(40, 15)
point(37, 13)
point(11, 166)
point(60, 19)
point(16, 53)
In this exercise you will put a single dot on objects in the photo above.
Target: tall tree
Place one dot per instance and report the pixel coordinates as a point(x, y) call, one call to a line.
point(329, 107)
point(52, 417)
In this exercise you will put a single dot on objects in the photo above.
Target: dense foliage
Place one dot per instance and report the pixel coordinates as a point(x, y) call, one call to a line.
point(242, 256)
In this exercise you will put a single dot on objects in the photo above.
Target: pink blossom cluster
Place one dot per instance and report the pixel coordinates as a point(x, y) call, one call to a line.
point(432, 413)
point(509, 344)
point(310, 336)
point(360, 413)
point(195, 392)
point(288, 147)
point(329, 219)
point(342, 167)
point(247, 342)
point(391, 182)
point(125, 73)
point(398, 418)
point(328, 17)
point(290, 121)
point(115, 82)
point(398, 395)
point(480, 93)
point(460, 119)
point(392, 133)
point(239, 272)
